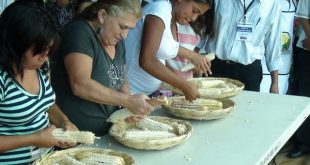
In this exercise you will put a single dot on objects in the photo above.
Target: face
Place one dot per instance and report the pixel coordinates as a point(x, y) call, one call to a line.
point(35, 61)
point(186, 11)
point(116, 28)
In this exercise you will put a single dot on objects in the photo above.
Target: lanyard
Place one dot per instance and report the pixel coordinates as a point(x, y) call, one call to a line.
point(245, 9)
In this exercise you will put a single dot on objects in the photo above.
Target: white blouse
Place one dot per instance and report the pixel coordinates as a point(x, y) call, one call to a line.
point(139, 80)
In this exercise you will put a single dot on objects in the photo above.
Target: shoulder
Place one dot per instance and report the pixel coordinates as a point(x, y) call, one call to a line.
point(161, 9)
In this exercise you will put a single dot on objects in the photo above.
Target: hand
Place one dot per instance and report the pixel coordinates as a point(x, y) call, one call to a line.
point(190, 91)
point(67, 126)
point(306, 43)
point(138, 105)
point(134, 119)
point(44, 138)
point(202, 63)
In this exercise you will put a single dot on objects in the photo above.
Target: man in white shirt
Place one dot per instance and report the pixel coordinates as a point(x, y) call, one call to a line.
point(302, 77)
point(247, 30)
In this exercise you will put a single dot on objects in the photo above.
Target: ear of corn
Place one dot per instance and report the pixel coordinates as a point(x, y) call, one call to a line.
point(188, 105)
point(67, 160)
point(180, 128)
point(208, 83)
point(191, 66)
point(74, 136)
point(96, 158)
point(149, 124)
point(210, 92)
point(119, 115)
point(148, 135)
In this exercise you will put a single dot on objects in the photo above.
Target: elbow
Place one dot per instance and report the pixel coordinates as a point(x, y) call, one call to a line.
point(76, 89)
point(143, 62)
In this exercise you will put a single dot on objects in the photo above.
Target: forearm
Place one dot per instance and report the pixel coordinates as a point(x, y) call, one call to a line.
point(125, 88)
point(13, 142)
point(186, 53)
point(161, 72)
point(56, 116)
point(306, 26)
point(274, 77)
point(93, 91)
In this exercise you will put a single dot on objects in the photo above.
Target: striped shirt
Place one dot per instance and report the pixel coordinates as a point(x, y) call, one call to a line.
point(188, 39)
point(266, 37)
point(23, 113)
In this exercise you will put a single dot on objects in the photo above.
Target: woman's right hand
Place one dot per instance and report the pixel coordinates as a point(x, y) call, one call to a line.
point(138, 105)
point(190, 91)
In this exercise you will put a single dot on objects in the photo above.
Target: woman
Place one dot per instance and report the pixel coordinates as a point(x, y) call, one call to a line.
point(28, 113)
point(193, 37)
point(90, 73)
point(155, 40)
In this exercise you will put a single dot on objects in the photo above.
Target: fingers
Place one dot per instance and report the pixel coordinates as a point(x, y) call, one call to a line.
point(63, 144)
point(134, 119)
point(207, 67)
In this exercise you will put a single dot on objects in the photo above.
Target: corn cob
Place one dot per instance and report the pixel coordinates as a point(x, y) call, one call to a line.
point(74, 136)
point(152, 125)
point(212, 104)
point(180, 128)
point(68, 160)
point(208, 83)
point(148, 135)
point(191, 66)
point(96, 158)
point(119, 115)
point(210, 92)
point(188, 105)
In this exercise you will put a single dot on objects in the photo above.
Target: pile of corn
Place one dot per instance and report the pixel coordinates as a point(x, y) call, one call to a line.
point(148, 129)
point(213, 87)
point(89, 158)
point(74, 136)
point(199, 104)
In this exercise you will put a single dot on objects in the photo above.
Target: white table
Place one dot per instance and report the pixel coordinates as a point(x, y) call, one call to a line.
point(252, 134)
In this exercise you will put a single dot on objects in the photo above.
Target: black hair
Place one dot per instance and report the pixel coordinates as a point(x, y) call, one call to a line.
point(25, 25)
point(204, 24)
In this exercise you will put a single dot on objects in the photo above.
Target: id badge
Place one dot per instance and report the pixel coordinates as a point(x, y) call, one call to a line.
point(244, 31)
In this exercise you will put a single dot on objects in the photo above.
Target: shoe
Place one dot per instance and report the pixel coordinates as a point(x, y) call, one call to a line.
point(295, 153)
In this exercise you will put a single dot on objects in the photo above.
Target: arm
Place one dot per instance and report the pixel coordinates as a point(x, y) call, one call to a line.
point(201, 63)
point(274, 82)
point(273, 50)
point(152, 35)
point(79, 67)
point(42, 138)
point(305, 23)
point(59, 119)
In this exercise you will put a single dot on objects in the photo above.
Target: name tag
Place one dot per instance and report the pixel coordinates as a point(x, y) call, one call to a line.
point(244, 31)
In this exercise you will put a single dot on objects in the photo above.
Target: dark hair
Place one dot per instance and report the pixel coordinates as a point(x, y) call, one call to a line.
point(112, 7)
point(204, 24)
point(24, 25)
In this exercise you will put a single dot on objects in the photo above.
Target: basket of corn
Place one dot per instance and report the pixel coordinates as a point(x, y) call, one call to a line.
point(151, 133)
point(211, 87)
point(83, 156)
point(199, 109)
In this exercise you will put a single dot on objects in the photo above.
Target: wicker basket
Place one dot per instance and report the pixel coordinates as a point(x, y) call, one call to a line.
point(50, 159)
point(237, 84)
point(228, 106)
point(118, 129)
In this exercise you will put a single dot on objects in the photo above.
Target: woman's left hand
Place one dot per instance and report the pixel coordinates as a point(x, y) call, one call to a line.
point(67, 126)
point(202, 63)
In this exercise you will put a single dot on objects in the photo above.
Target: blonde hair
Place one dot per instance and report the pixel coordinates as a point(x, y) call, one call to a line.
point(113, 8)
